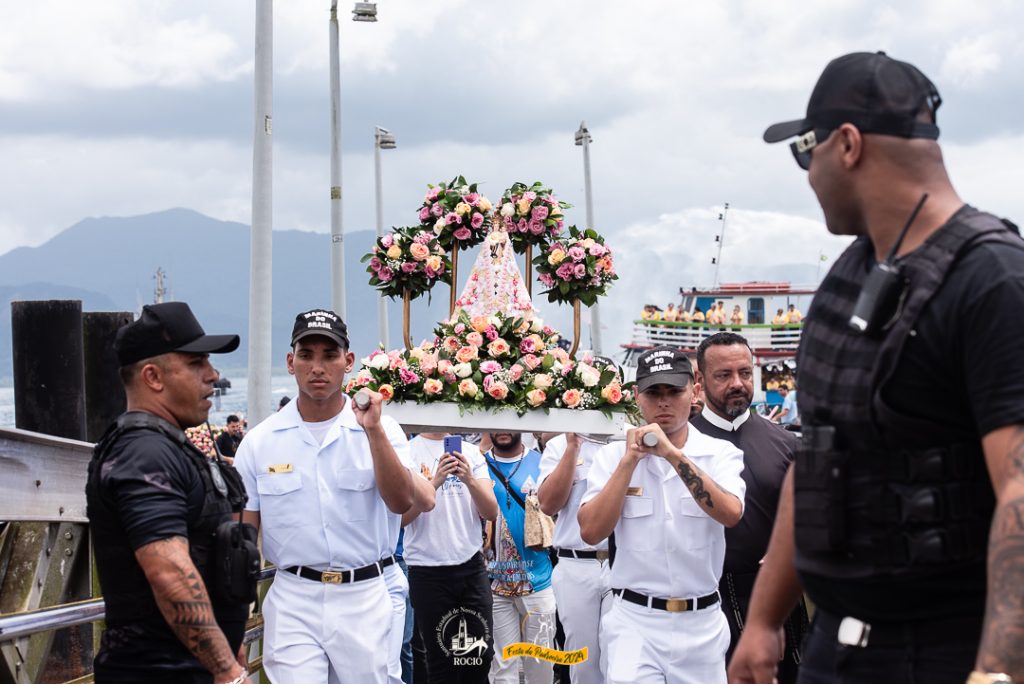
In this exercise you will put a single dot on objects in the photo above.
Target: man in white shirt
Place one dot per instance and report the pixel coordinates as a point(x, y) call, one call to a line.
point(447, 575)
point(580, 579)
point(322, 476)
point(668, 505)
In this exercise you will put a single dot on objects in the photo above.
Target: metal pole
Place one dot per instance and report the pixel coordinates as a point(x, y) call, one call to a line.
point(382, 304)
point(721, 242)
point(337, 236)
point(595, 317)
point(262, 203)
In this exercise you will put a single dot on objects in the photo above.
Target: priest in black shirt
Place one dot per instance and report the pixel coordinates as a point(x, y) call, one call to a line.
point(725, 371)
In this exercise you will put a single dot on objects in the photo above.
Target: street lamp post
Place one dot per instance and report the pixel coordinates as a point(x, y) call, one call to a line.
point(382, 140)
point(583, 140)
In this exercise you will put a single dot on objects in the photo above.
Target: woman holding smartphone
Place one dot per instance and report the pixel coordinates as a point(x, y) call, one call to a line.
point(448, 583)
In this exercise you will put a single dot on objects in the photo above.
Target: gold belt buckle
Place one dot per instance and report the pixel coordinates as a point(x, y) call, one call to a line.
point(677, 605)
point(602, 555)
point(331, 577)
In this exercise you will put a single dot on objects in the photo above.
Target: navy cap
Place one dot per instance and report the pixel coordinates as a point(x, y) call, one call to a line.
point(320, 322)
point(164, 328)
point(872, 91)
point(663, 365)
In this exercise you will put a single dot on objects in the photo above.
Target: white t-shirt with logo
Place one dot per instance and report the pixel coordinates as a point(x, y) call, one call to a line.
point(451, 533)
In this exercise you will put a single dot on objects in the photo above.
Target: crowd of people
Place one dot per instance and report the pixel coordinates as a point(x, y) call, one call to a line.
point(716, 315)
point(681, 550)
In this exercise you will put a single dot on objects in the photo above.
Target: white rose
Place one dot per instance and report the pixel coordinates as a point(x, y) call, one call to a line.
point(537, 325)
point(589, 375)
point(439, 226)
point(380, 362)
point(507, 209)
point(462, 370)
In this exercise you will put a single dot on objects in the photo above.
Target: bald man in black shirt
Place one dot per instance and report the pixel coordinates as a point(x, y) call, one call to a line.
point(725, 372)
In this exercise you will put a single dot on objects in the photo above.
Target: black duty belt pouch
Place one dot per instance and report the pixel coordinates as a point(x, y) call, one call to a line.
point(237, 562)
point(820, 500)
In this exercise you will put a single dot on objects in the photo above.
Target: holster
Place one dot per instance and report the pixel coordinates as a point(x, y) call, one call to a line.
point(820, 493)
point(236, 562)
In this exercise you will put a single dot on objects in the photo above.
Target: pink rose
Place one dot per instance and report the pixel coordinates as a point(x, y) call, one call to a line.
point(437, 210)
point(476, 339)
point(577, 253)
point(491, 333)
point(423, 237)
point(498, 390)
point(536, 397)
point(462, 234)
point(536, 227)
point(498, 347)
point(451, 344)
point(444, 366)
point(580, 270)
point(572, 397)
point(530, 361)
point(385, 274)
point(527, 346)
point(539, 213)
point(407, 376)
point(408, 267)
point(597, 249)
point(529, 196)
point(546, 279)
point(375, 263)
point(522, 226)
point(428, 363)
point(488, 367)
point(467, 388)
point(471, 198)
point(477, 220)
point(432, 194)
point(387, 241)
point(466, 354)
point(424, 213)
point(451, 218)
point(514, 373)
point(565, 271)
point(433, 386)
point(460, 328)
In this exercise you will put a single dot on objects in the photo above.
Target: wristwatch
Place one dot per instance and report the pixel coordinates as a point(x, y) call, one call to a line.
point(989, 678)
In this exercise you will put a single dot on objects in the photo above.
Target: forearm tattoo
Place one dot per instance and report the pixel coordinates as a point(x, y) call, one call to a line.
point(1002, 644)
point(695, 484)
point(185, 605)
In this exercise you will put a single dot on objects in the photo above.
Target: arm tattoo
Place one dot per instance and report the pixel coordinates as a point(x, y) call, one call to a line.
point(695, 484)
point(184, 603)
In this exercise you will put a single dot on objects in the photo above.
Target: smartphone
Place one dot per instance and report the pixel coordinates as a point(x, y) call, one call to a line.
point(452, 443)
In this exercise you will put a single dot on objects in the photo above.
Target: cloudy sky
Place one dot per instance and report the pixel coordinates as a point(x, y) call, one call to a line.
point(121, 107)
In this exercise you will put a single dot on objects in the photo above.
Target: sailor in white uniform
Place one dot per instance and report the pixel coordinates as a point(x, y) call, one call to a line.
point(668, 493)
point(580, 579)
point(322, 477)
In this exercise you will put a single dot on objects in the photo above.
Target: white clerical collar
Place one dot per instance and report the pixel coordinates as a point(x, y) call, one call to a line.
point(722, 423)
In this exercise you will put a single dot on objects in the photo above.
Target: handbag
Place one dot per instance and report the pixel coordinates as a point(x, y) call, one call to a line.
point(538, 526)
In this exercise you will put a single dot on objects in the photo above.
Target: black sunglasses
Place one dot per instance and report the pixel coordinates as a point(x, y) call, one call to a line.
point(805, 144)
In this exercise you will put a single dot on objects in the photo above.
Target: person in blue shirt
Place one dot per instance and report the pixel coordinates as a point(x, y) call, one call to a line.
point(524, 603)
point(790, 414)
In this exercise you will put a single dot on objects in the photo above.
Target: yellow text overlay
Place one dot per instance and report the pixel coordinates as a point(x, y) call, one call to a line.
point(548, 654)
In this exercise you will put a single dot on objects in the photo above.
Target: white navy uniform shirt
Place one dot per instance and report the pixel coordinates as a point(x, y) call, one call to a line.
point(319, 504)
point(449, 534)
point(567, 527)
point(666, 545)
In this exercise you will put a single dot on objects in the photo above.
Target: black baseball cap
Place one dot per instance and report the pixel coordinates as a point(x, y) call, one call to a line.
point(663, 365)
point(164, 328)
point(320, 322)
point(872, 91)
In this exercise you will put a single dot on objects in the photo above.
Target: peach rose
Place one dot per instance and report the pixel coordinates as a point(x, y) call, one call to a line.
point(542, 381)
point(467, 388)
point(434, 263)
point(451, 344)
point(612, 393)
point(498, 347)
point(475, 339)
point(480, 323)
point(571, 398)
point(531, 361)
point(498, 390)
point(515, 372)
point(419, 251)
point(466, 354)
point(394, 251)
point(387, 392)
point(536, 397)
point(444, 366)
point(432, 386)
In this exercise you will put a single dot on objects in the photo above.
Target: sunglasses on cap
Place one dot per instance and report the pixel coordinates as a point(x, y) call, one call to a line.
point(805, 144)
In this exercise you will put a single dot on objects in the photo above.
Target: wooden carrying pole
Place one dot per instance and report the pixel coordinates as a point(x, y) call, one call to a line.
point(529, 270)
point(575, 328)
point(406, 299)
point(455, 278)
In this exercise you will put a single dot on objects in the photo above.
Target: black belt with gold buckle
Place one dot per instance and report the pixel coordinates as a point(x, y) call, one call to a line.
point(342, 576)
point(584, 555)
point(672, 605)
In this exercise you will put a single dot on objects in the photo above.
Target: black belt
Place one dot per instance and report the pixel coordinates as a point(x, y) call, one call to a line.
point(584, 555)
point(673, 605)
point(850, 631)
point(342, 576)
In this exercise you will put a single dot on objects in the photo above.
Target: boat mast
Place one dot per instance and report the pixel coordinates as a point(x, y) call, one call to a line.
point(720, 239)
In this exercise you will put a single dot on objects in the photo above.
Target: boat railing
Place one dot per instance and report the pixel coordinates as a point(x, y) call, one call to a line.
point(688, 335)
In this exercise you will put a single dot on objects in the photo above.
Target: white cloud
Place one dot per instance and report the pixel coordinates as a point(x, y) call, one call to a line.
point(970, 60)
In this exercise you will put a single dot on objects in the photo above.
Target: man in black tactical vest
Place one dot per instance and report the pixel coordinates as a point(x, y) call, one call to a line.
point(160, 514)
point(911, 379)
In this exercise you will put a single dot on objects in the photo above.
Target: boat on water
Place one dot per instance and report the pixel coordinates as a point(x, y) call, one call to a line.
point(774, 345)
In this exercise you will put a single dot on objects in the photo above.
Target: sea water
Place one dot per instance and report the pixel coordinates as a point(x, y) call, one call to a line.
point(234, 401)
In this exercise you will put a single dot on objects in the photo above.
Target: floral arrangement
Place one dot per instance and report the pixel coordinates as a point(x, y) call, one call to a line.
point(407, 259)
point(456, 211)
point(580, 267)
point(494, 362)
point(201, 439)
point(531, 215)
